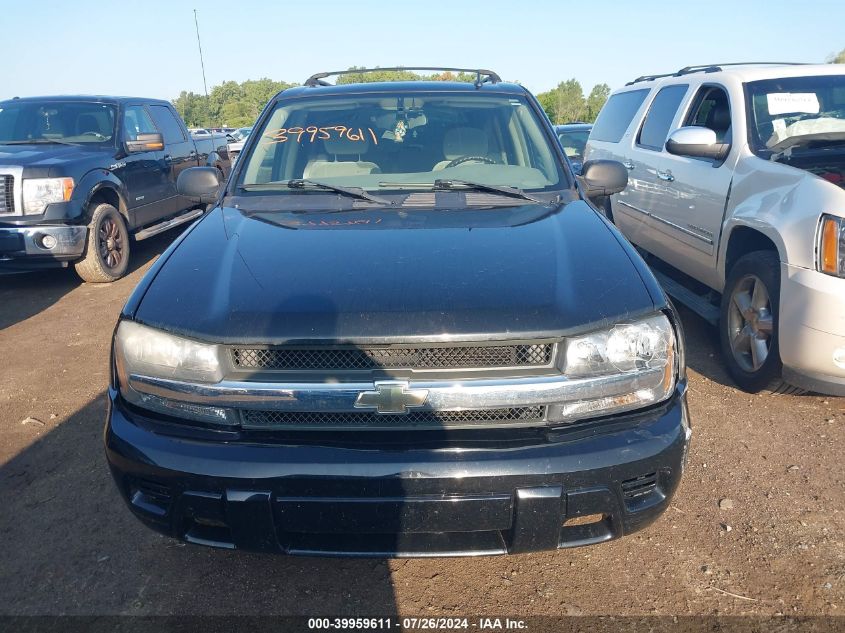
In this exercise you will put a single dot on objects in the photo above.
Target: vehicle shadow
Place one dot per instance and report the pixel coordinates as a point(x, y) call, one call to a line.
point(26, 294)
point(75, 549)
point(703, 354)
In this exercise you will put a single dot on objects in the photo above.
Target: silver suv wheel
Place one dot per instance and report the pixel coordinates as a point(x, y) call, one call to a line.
point(750, 323)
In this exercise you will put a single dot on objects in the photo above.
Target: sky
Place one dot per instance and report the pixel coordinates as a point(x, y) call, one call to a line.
point(149, 48)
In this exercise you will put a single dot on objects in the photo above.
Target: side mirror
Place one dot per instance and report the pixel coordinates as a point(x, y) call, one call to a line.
point(145, 143)
point(697, 142)
point(199, 183)
point(603, 177)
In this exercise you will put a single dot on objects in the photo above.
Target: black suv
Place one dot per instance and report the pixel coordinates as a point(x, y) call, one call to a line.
point(404, 330)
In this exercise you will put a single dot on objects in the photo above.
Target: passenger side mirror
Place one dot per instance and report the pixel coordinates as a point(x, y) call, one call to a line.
point(199, 183)
point(697, 142)
point(145, 143)
point(603, 177)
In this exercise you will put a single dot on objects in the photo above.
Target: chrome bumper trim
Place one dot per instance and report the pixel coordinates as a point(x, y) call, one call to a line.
point(442, 395)
point(70, 240)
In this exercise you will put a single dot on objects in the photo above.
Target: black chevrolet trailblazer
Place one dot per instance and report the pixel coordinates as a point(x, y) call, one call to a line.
point(402, 329)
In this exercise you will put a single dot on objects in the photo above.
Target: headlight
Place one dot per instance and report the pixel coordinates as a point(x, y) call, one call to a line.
point(628, 366)
point(831, 250)
point(145, 351)
point(39, 192)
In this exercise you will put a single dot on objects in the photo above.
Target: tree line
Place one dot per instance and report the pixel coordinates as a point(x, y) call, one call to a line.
point(239, 104)
point(234, 104)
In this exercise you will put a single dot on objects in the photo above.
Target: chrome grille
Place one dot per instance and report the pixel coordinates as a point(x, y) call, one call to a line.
point(274, 420)
point(7, 194)
point(362, 358)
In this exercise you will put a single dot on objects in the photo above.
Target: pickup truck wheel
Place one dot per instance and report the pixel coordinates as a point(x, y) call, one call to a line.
point(749, 324)
point(106, 256)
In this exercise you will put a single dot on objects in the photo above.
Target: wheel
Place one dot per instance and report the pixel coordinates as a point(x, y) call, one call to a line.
point(106, 256)
point(748, 326)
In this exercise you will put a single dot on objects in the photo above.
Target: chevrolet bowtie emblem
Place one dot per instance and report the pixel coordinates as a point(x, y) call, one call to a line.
point(391, 397)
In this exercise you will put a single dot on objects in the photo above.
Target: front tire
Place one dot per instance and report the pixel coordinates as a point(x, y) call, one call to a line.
point(106, 256)
point(748, 326)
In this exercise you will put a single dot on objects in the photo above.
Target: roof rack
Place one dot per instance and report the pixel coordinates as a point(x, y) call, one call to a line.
point(481, 76)
point(709, 68)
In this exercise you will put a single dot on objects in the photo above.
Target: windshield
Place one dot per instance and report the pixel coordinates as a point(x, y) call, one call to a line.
point(241, 134)
point(404, 141)
point(574, 142)
point(796, 112)
point(56, 121)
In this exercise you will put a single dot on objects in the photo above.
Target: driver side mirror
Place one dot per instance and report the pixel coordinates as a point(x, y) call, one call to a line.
point(697, 142)
point(199, 183)
point(603, 177)
point(145, 143)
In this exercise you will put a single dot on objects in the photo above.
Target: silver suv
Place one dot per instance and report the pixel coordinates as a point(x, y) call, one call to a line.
point(736, 182)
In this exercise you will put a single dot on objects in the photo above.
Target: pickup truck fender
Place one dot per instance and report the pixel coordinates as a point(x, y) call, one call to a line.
point(103, 184)
point(779, 202)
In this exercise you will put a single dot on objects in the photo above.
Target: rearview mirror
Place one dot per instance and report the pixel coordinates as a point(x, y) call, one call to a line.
point(697, 142)
point(145, 143)
point(603, 177)
point(199, 183)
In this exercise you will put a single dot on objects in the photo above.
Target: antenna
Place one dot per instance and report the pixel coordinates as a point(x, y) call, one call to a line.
point(202, 63)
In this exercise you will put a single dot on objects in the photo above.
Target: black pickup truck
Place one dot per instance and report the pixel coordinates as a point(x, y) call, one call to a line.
point(402, 330)
point(82, 176)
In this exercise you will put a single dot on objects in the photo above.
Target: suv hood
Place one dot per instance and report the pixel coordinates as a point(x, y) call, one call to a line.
point(394, 275)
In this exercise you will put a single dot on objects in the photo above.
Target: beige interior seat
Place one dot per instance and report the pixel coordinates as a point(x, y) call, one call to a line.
point(462, 141)
point(342, 158)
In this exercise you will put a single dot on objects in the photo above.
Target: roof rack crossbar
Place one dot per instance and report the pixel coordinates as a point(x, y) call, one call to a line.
point(481, 75)
point(710, 68)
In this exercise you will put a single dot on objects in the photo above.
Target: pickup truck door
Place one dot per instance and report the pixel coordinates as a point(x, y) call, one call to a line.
point(690, 207)
point(144, 173)
point(179, 154)
point(634, 208)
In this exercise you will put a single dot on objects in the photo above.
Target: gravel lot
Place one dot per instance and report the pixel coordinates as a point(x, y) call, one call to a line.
point(774, 545)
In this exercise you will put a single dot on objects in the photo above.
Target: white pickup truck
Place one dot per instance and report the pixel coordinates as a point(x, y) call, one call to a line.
point(737, 182)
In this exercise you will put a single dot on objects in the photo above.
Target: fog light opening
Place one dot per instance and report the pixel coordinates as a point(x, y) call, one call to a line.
point(48, 241)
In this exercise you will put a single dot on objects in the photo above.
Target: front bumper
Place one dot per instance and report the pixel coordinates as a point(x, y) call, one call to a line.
point(23, 246)
point(330, 499)
point(812, 329)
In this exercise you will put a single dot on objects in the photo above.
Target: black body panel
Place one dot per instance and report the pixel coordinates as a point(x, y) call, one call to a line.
point(373, 275)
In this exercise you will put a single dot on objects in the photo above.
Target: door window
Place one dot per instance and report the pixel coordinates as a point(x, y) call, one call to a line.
point(660, 115)
point(616, 115)
point(137, 121)
point(711, 109)
point(168, 124)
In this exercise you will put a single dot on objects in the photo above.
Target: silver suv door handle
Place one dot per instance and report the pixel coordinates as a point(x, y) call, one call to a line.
point(628, 164)
point(665, 175)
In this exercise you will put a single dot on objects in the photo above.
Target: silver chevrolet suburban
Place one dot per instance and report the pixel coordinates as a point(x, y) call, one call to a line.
point(737, 182)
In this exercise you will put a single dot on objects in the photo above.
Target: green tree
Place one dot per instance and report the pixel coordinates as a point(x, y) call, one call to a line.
point(564, 103)
point(595, 100)
point(401, 75)
point(229, 104)
point(839, 58)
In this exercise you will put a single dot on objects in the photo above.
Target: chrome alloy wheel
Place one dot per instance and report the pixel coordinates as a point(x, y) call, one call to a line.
point(750, 323)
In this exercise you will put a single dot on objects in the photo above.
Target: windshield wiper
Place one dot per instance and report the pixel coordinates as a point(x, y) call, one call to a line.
point(452, 184)
point(302, 183)
point(39, 141)
point(513, 192)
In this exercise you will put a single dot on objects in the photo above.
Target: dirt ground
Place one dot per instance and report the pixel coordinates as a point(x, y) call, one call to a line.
point(69, 546)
